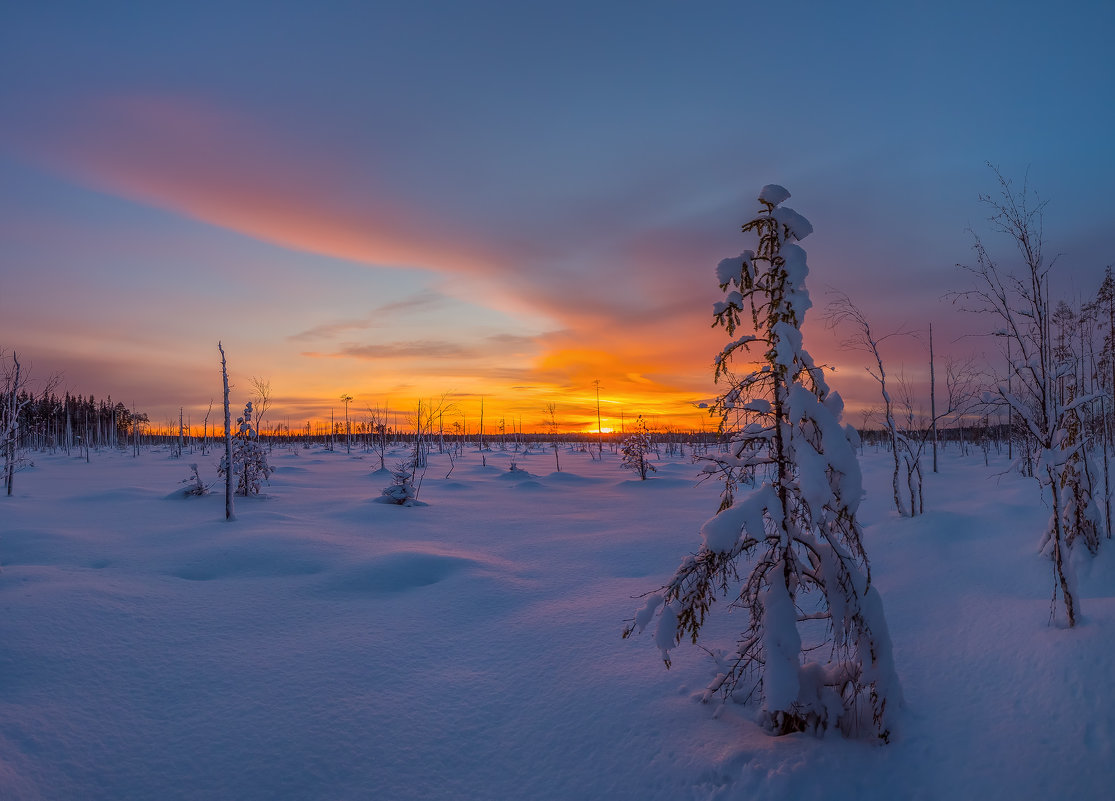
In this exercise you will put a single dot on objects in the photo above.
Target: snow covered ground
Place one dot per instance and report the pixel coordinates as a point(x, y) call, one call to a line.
point(326, 646)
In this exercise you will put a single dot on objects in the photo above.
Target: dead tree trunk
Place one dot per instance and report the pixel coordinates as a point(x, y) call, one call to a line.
point(230, 513)
point(11, 429)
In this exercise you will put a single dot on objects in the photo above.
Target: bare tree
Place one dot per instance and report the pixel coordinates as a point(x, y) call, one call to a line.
point(1103, 367)
point(14, 381)
point(551, 423)
point(425, 413)
point(599, 428)
point(13, 400)
point(480, 440)
point(261, 401)
point(841, 311)
point(1021, 304)
point(1105, 303)
point(963, 391)
point(346, 399)
point(230, 513)
point(380, 432)
point(205, 429)
point(933, 395)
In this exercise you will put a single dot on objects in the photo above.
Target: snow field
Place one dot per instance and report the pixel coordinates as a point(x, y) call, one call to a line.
point(326, 645)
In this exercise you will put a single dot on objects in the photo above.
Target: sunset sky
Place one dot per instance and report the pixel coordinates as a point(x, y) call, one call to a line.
point(397, 200)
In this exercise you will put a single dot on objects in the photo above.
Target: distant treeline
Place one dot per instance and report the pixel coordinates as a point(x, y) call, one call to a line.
point(70, 421)
point(50, 422)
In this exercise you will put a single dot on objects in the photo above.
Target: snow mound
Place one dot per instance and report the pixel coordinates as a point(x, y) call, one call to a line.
point(483, 470)
point(119, 496)
point(659, 483)
point(248, 560)
point(399, 572)
point(31, 546)
point(568, 478)
point(531, 484)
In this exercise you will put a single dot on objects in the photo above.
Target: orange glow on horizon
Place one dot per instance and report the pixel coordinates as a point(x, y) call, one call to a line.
point(519, 404)
point(211, 164)
point(505, 410)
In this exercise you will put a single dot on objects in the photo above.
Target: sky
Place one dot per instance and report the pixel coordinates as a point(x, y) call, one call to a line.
point(510, 201)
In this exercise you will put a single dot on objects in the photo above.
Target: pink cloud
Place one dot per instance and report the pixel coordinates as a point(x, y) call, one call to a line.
point(217, 167)
point(633, 306)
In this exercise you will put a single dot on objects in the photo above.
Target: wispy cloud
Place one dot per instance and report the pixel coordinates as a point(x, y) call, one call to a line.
point(330, 330)
point(419, 301)
point(422, 349)
point(380, 316)
point(440, 349)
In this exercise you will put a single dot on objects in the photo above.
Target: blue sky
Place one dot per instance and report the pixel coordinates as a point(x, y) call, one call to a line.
point(511, 199)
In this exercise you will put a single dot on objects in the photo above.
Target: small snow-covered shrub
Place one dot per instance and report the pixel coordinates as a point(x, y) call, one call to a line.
point(635, 449)
point(249, 457)
point(513, 467)
point(196, 485)
point(401, 490)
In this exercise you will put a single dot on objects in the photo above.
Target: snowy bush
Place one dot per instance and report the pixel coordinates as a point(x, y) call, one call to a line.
point(786, 549)
point(196, 485)
point(249, 457)
point(401, 490)
point(635, 448)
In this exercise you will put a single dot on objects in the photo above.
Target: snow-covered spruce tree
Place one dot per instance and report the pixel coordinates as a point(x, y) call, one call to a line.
point(401, 490)
point(634, 449)
point(249, 457)
point(787, 550)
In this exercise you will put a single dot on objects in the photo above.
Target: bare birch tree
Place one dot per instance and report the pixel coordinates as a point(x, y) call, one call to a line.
point(842, 312)
point(261, 401)
point(379, 432)
point(13, 400)
point(1020, 303)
